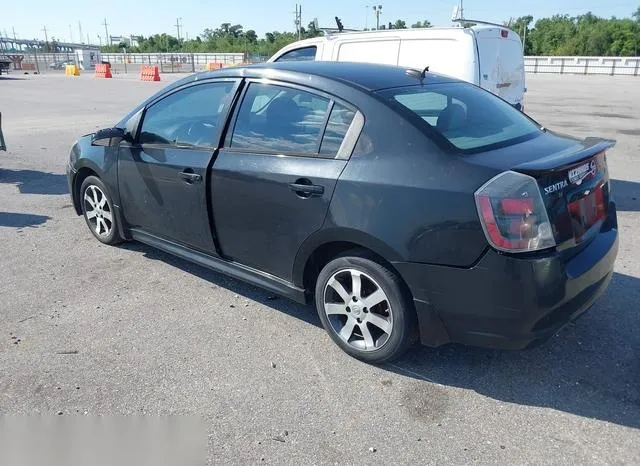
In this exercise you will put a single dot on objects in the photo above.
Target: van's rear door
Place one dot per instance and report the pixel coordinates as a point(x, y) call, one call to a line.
point(501, 63)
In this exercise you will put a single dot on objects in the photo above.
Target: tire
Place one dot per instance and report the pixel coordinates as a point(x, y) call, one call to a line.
point(102, 221)
point(391, 321)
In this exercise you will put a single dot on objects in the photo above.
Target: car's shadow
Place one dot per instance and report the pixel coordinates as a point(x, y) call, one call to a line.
point(304, 313)
point(19, 220)
point(35, 182)
point(591, 368)
point(626, 194)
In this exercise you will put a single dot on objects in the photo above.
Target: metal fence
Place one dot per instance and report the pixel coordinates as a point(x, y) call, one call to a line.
point(613, 66)
point(125, 63)
point(130, 63)
point(36, 62)
point(171, 62)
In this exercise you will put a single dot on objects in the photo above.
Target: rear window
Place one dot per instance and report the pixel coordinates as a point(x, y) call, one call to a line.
point(468, 117)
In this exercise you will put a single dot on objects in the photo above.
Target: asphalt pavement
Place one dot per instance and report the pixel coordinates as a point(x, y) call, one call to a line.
point(88, 329)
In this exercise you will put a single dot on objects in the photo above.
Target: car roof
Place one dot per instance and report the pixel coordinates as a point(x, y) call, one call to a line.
point(367, 76)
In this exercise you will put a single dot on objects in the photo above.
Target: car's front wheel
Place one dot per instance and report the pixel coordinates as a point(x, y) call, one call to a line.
point(365, 308)
point(98, 212)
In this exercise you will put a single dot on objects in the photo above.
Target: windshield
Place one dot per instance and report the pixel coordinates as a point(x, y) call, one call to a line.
point(468, 117)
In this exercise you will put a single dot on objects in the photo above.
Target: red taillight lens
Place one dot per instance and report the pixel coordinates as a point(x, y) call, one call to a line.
point(517, 206)
point(504, 33)
point(513, 215)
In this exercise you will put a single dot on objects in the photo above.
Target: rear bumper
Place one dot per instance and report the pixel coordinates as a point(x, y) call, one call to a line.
point(506, 301)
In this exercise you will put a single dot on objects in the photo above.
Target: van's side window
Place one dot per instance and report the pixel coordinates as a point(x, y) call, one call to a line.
point(302, 54)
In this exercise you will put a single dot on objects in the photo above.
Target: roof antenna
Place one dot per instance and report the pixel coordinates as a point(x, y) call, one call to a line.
point(424, 72)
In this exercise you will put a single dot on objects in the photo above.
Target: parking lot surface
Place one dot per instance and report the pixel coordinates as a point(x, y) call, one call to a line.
point(87, 329)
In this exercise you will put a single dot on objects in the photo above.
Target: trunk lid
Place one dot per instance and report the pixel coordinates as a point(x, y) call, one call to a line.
point(575, 189)
point(573, 179)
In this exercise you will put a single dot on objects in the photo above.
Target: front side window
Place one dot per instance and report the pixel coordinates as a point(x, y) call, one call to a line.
point(302, 54)
point(275, 118)
point(187, 118)
point(468, 117)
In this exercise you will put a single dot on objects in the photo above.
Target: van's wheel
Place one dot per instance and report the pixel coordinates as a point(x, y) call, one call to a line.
point(364, 307)
point(98, 212)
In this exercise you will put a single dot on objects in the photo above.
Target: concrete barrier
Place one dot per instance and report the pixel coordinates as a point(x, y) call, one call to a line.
point(613, 66)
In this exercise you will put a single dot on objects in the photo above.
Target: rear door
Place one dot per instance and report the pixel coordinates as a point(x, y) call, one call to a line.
point(273, 180)
point(501, 63)
point(162, 178)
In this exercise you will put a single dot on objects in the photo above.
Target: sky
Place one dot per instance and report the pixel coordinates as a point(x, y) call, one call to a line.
point(146, 17)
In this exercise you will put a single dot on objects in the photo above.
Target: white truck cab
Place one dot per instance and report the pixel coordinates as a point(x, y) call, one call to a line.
point(487, 55)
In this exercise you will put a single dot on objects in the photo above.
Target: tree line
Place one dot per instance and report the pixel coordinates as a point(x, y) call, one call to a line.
point(586, 35)
point(559, 35)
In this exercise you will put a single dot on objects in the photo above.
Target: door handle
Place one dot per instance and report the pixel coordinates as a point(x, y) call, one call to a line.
point(306, 190)
point(190, 177)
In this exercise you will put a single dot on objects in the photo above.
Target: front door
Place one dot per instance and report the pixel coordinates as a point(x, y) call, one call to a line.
point(273, 180)
point(162, 178)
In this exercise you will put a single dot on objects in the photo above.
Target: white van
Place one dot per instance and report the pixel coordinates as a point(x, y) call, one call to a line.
point(487, 55)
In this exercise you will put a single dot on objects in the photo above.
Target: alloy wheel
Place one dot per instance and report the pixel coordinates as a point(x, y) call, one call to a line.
point(98, 211)
point(358, 309)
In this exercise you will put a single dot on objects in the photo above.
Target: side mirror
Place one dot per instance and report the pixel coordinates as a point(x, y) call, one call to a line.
point(105, 137)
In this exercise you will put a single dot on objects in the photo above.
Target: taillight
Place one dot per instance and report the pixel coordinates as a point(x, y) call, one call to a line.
point(513, 215)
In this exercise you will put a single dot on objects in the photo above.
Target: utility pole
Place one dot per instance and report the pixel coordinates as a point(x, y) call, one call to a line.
point(80, 30)
point(377, 10)
point(46, 39)
point(298, 20)
point(100, 40)
point(70, 34)
point(106, 33)
point(366, 17)
point(14, 33)
point(178, 27)
point(461, 10)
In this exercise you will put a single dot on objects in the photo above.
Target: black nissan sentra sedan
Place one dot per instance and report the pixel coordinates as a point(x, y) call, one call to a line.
point(406, 205)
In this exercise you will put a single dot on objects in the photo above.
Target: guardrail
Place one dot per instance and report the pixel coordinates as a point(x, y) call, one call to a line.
point(612, 66)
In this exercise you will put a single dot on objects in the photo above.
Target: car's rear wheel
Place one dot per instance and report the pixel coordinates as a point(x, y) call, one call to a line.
point(364, 307)
point(98, 212)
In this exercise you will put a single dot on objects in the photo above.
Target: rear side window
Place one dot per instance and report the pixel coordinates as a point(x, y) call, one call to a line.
point(339, 121)
point(280, 119)
point(468, 117)
point(301, 54)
